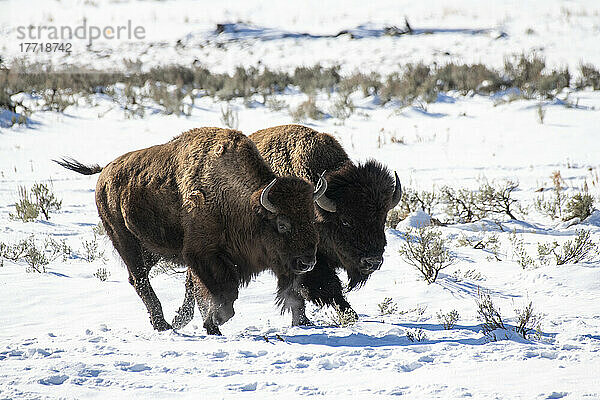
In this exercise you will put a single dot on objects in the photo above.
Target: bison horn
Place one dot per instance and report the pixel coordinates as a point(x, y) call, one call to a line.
point(397, 192)
point(264, 198)
point(321, 187)
point(323, 201)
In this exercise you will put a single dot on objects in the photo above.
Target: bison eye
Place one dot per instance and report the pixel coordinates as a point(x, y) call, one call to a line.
point(283, 225)
point(346, 223)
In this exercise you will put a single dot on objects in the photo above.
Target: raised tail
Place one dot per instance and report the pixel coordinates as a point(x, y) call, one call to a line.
point(76, 166)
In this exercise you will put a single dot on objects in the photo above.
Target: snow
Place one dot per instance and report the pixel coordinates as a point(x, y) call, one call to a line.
point(66, 334)
point(417, 219)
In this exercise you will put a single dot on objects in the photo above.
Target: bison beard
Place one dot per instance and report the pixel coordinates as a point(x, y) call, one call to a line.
point(351, 215)
point(207, 200)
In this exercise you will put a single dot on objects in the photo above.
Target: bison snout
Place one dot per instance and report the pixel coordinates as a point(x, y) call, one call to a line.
point(369, 265)
point(305, 264)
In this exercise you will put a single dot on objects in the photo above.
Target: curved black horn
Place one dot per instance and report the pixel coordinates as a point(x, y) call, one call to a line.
point(323, 201)
point(264, 198)
point(397, 192)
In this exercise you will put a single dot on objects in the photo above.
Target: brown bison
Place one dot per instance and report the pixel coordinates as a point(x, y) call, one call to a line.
point(351, 214)
point(207, 200)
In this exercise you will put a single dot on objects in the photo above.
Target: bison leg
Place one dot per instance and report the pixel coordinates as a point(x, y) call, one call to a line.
point(138, 265)
point(215, 288)
point(288, 296)
point(322, 286)
point(203, 298)
point(186, 311)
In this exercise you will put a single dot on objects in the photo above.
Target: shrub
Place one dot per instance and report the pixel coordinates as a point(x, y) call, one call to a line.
point(412, 201)
point(229, 117)
point(582, 248)
point(169, 85)
point(170, 99)
point(523, 258)
point(45, 199)
point(14, 252)
point(270, 82)
point(526, 73)
point(496, 199)
point(133, 97)
point(461, 204)
point(490, 242)
point(469, 274)
point(541, 113)
point(553, 208)
point(41, 199)
point(488, 314)
point(26, 250)
point(305, 110)
point(276, 105)
point(56, 99)
point(579, 206)
point(449, 319)
point(417, 335)
point(417, 82)
point(387, 306)
point(427, 252)
point(370, 84)
point(99, 229)
point(102, 274)
point(35, 258)
point(476, 78)
point(57, 249)
point(90, 249)
point(342, 318)
point(393, 217)
point(311, 79)
point(590, 76)
point(26, 208)
point(527, 321)
point(342, 108)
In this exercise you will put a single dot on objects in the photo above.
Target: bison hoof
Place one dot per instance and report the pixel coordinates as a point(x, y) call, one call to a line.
point(212, 329)
point(303, 321)
point(161, 325)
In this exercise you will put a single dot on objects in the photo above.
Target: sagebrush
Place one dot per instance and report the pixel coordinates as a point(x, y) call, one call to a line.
point(387, 306)
point(527, 321)
point(488, 313)
point(40, 199)
point(427, 252)
point(449, 319)
point(581, 248)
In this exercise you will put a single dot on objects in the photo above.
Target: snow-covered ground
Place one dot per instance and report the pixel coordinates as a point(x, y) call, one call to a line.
point(66, 334)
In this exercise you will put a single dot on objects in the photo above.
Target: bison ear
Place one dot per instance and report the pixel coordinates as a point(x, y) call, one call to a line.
point(397, 192)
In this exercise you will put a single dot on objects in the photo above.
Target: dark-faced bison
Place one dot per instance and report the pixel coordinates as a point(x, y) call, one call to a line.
point(207, 200)
point(351, 214)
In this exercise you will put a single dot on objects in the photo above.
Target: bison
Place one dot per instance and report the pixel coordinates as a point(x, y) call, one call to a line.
point(207, 200)
point(351, 213)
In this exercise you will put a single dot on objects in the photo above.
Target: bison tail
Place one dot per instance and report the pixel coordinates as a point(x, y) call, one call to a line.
point(76, 166)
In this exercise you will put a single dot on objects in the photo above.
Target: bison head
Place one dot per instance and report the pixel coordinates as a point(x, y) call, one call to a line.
point(352, 216)
point(289, 231)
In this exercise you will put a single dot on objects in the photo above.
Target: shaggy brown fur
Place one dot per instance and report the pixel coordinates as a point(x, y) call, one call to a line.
point(353, 237)
point(196, 200)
